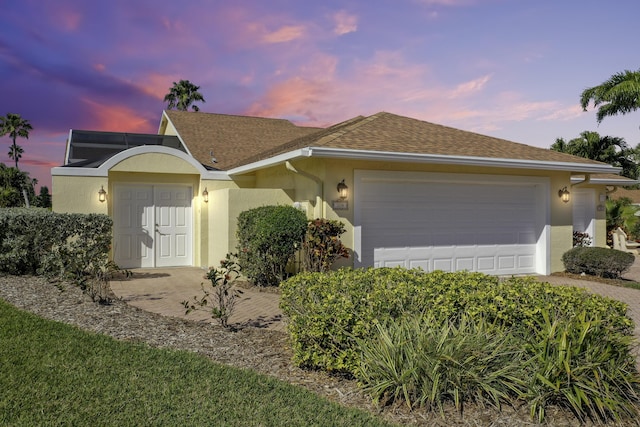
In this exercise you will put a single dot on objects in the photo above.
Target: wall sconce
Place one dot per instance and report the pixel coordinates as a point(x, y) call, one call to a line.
point(102, 195)
point(343, 190)
point(563, 193)
point(205, 195)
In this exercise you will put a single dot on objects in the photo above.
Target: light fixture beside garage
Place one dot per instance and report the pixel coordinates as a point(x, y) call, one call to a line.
point(102, 194)
point(564, 194)
point(343, 190)
point(205, 195)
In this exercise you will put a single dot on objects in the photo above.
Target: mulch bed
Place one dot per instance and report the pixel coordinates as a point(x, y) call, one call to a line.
point(264, 351)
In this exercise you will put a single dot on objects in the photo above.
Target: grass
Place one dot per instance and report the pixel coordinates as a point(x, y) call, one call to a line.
point(56, 374)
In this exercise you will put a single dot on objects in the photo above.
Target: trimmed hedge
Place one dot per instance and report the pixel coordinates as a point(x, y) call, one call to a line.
point(601, 262)
point(38, 241)
point(329, 312)
point(268, 237)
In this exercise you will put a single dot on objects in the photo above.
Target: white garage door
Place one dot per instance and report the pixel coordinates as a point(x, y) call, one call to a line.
point(152, 226)
point(451, 222)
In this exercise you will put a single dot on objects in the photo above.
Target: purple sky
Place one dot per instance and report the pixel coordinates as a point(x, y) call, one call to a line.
point(507, 68)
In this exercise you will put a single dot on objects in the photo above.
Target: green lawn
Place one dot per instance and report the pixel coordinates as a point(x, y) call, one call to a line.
point(55, 374)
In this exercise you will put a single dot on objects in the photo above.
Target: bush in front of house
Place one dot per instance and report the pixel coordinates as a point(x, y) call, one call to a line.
point(56, 245)
point(601, 262)
point(414, 336)
point(268, 237)
point(322, 245)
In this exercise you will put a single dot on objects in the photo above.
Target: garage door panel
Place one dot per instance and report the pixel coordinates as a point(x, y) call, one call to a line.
point(475, 225)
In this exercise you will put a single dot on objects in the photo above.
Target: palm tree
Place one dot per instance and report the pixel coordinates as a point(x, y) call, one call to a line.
point(15, 126)
point(607, 149)
point(182, 95)
point(618, 95)
point(15, 153)
point(15, 187)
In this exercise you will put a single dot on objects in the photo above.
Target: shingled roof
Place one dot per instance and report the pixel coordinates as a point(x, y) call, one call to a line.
point(386, 132)
point(239, 140)
point(231, 138)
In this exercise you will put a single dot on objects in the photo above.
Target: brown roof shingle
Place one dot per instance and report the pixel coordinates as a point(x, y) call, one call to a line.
point(231, 138)
point(239, 140)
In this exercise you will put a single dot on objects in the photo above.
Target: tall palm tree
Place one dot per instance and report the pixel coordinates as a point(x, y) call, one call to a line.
point(15, 126)
point(620, 94)
point(182, 95)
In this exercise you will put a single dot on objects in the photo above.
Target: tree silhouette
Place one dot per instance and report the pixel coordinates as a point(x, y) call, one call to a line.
point(182, 95)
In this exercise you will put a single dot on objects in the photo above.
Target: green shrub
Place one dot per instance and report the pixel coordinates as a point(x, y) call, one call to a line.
point(268, 237)
point(38, 241)
point(322, 245)
point(329, 312)
point(427, 363)
point(573, 362)
point(600, 262)
point(579, 363)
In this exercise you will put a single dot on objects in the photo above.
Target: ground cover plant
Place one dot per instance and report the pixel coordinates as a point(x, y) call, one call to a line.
point(572, 348)
point(55, 374)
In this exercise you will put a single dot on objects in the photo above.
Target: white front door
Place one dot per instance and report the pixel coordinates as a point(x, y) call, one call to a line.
point(172, 222)
point(152, 226)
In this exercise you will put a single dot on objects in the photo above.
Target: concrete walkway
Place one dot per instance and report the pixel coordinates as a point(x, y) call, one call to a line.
point(162, 290)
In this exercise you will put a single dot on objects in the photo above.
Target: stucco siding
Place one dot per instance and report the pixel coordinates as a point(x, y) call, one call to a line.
point(224, 207)
point(79, 194)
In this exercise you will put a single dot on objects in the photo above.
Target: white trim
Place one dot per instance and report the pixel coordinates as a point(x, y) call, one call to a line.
point(103, 169)
point(342, 153)
point(543, 262)
point(164, 114)
point(623, 181)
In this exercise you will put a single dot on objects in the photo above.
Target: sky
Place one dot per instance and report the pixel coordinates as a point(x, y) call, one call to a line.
point(512, 69)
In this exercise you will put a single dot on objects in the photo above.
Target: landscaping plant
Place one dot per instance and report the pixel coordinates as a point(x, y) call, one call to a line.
point(62, 247)
point(221, 301)
point(268, 237)
point(434, 338)
point(322, 245)
point(601, 262)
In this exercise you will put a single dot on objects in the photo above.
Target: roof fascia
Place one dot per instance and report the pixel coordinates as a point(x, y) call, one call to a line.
point(271, 161)
point(103, 169)
point(623, 181)
point(341, 153)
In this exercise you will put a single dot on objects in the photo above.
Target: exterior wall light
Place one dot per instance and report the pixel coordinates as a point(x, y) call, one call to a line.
point(102, 195)
point(343, 190)
point(564, 194)
point(205, 195)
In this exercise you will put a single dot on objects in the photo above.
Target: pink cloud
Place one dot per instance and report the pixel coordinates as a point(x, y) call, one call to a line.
point(157, 85)
point(471, 87)
point(117, 118)
point(69, 19)
point(344, 23)
point(284, 34)
point(446, 2)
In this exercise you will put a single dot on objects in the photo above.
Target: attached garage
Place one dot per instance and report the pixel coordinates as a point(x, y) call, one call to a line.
point(152, 225)
point(451, 222)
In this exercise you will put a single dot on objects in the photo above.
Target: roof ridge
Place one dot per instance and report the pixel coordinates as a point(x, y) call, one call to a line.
point(357, 122)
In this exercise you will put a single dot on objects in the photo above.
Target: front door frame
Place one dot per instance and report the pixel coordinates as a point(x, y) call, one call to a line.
point(150, 231)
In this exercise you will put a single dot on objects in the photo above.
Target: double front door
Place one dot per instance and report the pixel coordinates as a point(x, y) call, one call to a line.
point(152, 225)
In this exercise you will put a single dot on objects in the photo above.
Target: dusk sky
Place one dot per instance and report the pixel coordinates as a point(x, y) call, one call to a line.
point(513, 69)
